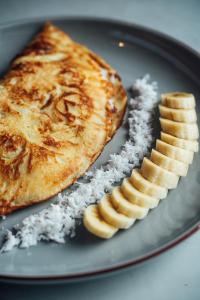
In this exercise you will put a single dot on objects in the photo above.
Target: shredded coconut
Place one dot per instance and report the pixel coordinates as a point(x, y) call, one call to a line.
point(60, 219)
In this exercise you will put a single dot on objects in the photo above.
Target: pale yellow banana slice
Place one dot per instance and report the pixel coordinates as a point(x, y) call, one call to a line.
point(178, 100)
point(123, 206)
point(136, 197)
point(181, 143)
point(147, 187)
point(188, 131)
point(177, 153)
point(179, 115)
point(158, 175)
point(95, 224)
point(111, 216)
point(170, 164)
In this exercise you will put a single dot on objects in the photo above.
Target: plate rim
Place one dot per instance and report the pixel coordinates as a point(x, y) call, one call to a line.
point(132, 262)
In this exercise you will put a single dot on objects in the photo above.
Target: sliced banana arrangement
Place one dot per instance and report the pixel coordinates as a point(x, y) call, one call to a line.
point(174, 152)
point(178, 100)
point(180, 143)
point(136, 197)
point(178, 115)
point(123, 206)
point(96, 224)
point(144, 189)
point(147, 187)
point(112, 215)
point(188, 131)
point(158, 175)
point(177, 167)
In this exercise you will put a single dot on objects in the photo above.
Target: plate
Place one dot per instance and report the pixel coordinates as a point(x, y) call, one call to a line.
point(133, 51)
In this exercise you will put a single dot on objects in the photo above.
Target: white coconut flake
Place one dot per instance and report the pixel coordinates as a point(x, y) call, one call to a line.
point(10, 242)
point(60, 219)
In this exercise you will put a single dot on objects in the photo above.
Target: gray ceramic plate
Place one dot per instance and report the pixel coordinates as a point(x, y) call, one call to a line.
point(175, 67)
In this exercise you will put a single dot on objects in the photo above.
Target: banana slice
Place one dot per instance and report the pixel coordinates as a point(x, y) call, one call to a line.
point(142, 191)
point(125, 207)
point(181, 143)
point(136, 197)
point(111, 216)
point(158, 175)
point(180, 154)
point(170, 164)
point(188, 131)
point(147, 187)
point(178, 100)
point(179, 115)
point(96, 224)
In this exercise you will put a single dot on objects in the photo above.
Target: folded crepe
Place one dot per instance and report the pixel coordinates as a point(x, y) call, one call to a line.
point(59, 105)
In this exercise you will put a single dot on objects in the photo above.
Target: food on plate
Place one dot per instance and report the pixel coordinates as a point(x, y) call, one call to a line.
point(158, 175)
point(94, 222)
point(135, 196)
point(178, 100)
point(128, 208)
point(147, 187)
point(111, 215)
point(177, 167)
point(171, 158)
point(57, 221)
point(188, 131)
point(59, 105)
point(174, 152)
point(180, 143)
point(179, 115)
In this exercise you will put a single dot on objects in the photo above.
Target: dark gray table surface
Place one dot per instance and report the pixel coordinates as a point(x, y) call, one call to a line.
point(175, 274)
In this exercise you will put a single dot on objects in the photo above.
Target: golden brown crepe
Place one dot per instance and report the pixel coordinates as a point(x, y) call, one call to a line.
point(59, 105)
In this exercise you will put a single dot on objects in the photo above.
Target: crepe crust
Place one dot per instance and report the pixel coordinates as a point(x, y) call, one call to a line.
point(57, 112)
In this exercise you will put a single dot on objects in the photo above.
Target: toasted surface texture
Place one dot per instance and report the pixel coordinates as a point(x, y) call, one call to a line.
point(59, 105)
